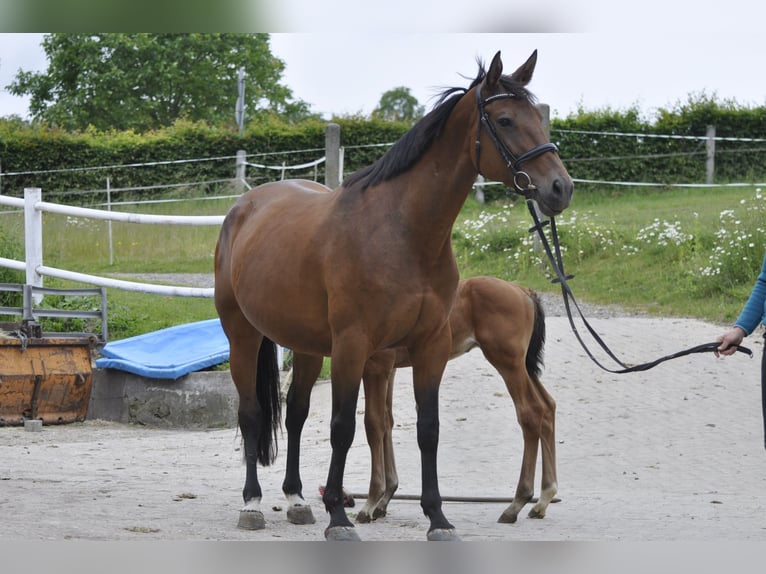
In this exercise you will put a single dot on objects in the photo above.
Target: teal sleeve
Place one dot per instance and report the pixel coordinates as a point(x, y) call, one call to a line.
point(753, 312)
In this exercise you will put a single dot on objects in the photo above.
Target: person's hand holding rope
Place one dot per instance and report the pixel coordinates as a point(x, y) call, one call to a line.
point(729, 341)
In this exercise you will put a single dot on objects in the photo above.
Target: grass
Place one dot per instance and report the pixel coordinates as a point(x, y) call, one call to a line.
point(670, 252)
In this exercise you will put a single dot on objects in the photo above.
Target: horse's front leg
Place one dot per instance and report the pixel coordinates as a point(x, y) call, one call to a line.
point(428, 363)
point(377, 373)
point(306, 369)
point(349, 354)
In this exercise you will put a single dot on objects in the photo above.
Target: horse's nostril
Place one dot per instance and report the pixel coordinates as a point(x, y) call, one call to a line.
point(562, 187)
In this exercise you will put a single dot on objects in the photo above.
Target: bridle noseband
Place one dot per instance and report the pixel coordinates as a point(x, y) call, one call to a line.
point(512, 161)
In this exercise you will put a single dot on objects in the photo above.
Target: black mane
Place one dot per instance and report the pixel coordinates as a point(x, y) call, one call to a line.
point(413, 144)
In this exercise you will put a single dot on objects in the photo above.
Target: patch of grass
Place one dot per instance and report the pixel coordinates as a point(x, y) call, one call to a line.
point(673, 252)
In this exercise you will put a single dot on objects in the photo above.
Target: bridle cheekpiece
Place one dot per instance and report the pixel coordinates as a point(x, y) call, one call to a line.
point(512, 161)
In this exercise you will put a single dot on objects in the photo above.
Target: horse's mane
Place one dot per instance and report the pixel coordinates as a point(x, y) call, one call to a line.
point(413, 144)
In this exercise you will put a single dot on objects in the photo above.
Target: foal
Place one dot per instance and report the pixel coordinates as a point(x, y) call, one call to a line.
point(506, 321)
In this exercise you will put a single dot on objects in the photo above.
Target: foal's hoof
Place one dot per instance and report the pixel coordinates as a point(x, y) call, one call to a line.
point(536, 513)
point(300, 515)
point(443, 535)
point(363, 517)
point(341, 534)
point(251, 520)
point(508, 517)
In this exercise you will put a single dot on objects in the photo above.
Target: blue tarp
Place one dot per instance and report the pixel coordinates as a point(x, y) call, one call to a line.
point(168, 353)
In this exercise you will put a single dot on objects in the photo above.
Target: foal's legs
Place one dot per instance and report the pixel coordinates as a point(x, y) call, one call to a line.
point(378, 422)
point(306, 369)
point(535, 412)
point(549, 485)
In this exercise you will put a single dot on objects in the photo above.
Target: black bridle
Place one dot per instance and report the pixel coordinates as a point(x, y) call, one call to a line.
point(561, 278)
point(512, 161)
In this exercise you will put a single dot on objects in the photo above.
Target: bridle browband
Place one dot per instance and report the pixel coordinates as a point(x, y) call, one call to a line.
point(512, 161)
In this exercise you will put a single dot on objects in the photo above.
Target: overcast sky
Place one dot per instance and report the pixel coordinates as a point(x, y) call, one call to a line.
point(653, 54)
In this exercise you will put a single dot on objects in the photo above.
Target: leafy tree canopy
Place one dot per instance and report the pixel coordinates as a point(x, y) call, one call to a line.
point(148, 81)
point(398, 105)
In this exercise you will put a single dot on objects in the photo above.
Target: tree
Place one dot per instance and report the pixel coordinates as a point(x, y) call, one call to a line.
point(147, 81)
point(398, 105)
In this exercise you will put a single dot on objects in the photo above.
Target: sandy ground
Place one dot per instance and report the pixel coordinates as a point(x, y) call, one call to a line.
point(672, 454)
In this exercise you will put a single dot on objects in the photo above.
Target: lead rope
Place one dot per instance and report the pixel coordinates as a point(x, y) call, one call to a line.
point(557, 263)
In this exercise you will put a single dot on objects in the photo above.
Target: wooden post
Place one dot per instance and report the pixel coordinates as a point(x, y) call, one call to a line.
point(710, 155)
point(332, 156)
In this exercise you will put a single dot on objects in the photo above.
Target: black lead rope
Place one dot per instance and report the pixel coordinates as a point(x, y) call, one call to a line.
point(557, 263)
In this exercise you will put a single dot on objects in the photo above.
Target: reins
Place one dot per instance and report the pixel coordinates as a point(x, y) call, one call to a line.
point(556, 261)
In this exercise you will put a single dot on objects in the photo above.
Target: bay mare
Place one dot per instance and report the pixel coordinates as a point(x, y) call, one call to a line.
point(370, 266)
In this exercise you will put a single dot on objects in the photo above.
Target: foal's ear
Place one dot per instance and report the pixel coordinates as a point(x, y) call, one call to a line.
point(495, 70)
point(524, 74)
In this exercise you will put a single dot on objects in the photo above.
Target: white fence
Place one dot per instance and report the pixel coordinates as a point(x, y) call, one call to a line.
point(34, 207)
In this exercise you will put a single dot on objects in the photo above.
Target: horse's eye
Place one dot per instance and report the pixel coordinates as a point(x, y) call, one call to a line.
point(504, 122)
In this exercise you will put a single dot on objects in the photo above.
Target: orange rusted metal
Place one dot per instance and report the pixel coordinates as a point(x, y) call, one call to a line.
point(47, 378)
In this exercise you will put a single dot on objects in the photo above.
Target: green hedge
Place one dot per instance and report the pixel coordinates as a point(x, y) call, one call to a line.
point(268, 140)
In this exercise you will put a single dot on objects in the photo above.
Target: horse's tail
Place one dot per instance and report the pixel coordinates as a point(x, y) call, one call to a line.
point(534, 359)
point(267, 392)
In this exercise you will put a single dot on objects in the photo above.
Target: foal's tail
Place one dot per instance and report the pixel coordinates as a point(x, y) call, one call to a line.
point(267, 391)
point(534, 360)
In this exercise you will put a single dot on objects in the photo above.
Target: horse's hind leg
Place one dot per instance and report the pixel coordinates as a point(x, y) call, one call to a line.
point(549, 484)
point(529, 421)
point(306, 369)
point(378, 376)
point(245, 343)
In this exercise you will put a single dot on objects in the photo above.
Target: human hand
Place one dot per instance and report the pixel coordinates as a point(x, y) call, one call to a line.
point(729, 341)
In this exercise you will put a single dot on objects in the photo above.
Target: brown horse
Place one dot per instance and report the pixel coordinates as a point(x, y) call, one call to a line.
point(370, 266)
point(506, 321)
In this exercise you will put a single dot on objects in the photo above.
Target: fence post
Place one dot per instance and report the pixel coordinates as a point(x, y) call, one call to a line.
point(332, 156)
point(710, 155)
point(33, 238)
point(241, 165)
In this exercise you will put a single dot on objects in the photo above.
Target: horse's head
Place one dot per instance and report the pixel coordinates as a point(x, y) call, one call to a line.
point(511, 145)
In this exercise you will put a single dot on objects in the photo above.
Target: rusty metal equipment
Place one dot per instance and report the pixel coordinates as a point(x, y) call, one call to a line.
point(46, 376)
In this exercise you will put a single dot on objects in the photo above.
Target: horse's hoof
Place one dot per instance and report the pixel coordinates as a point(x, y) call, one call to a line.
point(251, 520)
point(341, 534)
point(534, 513)
point(300, 515)
point(378, 513)
point(443, 535)
point(508, 518)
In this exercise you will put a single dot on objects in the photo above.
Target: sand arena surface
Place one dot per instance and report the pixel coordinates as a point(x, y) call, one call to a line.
point(675, 453)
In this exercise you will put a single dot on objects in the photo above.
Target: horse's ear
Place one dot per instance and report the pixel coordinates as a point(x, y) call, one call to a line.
point(495, 70)
point(524, 74)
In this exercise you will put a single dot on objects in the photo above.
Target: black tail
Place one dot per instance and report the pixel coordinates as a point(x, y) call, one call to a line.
point(267, 392)
point(534, 360)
